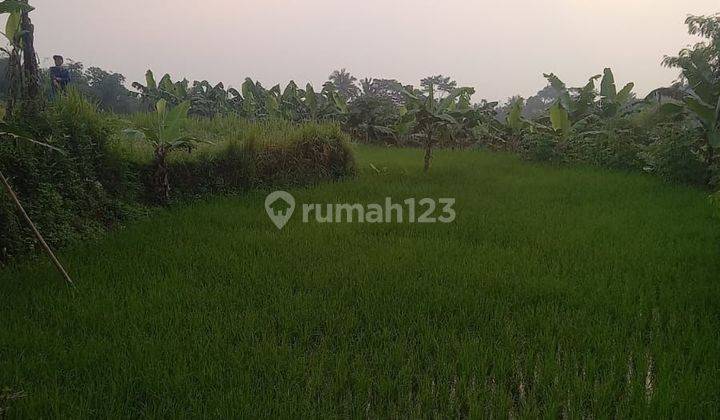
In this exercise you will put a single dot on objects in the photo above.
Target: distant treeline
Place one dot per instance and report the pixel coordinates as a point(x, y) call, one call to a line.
point(107, 89)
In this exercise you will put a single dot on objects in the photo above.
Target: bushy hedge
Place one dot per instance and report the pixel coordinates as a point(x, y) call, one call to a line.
point(673, 151)
point(245, 155)
point(71, 195)
point(104, 178)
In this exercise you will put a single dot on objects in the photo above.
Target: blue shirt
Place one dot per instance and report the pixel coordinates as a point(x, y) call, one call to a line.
point(60, 76)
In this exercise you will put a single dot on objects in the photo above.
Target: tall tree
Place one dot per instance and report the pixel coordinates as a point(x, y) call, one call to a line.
point(389, 89)
point(110, 91)
point(539, 103)
point(700, 69)
point(438, 83)
point(345, 83)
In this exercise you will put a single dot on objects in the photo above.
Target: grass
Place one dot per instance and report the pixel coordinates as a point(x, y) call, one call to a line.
point(557, 292)
point(219, 133)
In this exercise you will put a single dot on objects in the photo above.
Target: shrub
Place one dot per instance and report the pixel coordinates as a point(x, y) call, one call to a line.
point(313, 154)
point(674, 151)
point(105, 178)
point(541, 146)
point(225, 171)
point(246, 155)
point(264, 154)
point(65, 194)
point(676, 154)
point(610, 149)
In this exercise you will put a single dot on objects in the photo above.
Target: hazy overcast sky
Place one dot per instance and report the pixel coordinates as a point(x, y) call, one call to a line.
point(499, 47)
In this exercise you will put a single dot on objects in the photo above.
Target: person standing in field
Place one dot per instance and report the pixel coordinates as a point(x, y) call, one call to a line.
point(59, 74)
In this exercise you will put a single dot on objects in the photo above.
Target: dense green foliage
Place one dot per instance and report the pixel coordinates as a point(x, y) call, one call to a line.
point(558, 292)
point(68, 195)
point(165, 132)
point(103, 178)
point(105, 88)
point(237, 155)
point(673, 132)
point(252, 102)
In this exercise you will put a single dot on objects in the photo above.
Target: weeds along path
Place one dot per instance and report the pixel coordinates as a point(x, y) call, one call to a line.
point(555, 292)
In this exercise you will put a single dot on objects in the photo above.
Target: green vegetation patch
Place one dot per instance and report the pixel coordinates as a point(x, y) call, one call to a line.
point(104, 177)
point(557, 292)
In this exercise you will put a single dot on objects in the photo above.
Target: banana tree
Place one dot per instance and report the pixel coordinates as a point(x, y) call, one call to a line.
point(376, 120)
point(208, 101)
point(577, 108)
point(473, 121)
point(700, 70)
point(297, 104)
point(511, 133)
point(571, 105)
point(336, 106)
point(23, 71)
point(251, 101)
point(432, 117)
point(14, 73)
point(403, 127)
point(311, 102)
point(290, 102)
point(705, 114)
point(273, 100)
point(514, 119)
point(560, 119)
point(176, 92)
point(612, 102)
point(15, 6)
point(166, 134)
point(205, 99)
point(577, 102)
point(255, 100)
point(152, 91)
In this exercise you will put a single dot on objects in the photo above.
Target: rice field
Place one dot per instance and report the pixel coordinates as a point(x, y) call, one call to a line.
point(557, 292)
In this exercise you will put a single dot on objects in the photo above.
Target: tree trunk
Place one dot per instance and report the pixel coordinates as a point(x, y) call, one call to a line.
point(161, 182)
point(428, 153)
point(31, 70)
point(14, 78)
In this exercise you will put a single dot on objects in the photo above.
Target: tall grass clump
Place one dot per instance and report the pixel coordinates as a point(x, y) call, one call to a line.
point(239, 155)
point(299, 154)
point(103, 177)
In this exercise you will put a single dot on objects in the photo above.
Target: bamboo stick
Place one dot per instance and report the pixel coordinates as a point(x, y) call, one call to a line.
point(39, 237)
